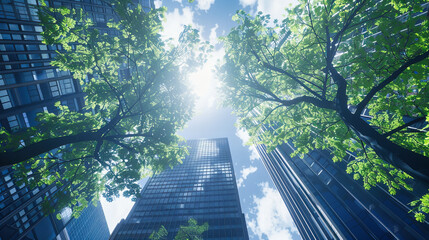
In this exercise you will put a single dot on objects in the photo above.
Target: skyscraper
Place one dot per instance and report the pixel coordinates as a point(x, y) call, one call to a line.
point(203, 188)
point(326, 203)
point(91, 225)
point(30, 85)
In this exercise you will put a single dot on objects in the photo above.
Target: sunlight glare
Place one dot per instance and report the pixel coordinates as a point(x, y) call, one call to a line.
point(204, 83)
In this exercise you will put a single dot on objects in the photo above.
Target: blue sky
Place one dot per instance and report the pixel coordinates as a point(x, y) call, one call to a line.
point(266, 214)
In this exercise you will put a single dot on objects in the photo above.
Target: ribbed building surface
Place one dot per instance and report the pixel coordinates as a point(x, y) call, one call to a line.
point(203, 188)
point(326, 203)
point(91, 225)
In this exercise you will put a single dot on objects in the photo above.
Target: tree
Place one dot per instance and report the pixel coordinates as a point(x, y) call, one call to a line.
point(309, 78)
point(128, 126)
point(191, 232)
point(161, 234)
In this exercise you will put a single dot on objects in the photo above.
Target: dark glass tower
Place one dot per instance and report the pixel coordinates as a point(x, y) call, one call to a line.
point(91, 225)
point(203, 188)
point(326, 203)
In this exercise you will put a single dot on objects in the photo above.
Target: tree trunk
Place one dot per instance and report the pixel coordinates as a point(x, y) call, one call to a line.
point(35, 149)
point(406, 160)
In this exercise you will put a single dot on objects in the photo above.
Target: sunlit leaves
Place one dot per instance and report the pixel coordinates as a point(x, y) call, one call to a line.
point(192, 231)
point(421, 207)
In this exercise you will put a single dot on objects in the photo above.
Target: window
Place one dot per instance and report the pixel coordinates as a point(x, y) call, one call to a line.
point(34, 56)
point(19, 47)
point(5, 99)
point(66, 86)
point(50, 73)
point(38, 28)
point(16, 37)
point(33, 93)
point(24, 76)
point(3, 26)
point(22, 57)
point(9, 78)
point(27, 28)
point(32, 47)
point(7, 178)
point(29, 37)
point(5, 36)
point(13, 122)
point(22, 12)
point(54, 88)
point(13, 27)
point(33, 13)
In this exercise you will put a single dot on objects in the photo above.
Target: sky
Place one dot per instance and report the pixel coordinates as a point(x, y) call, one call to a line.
point(266, 214)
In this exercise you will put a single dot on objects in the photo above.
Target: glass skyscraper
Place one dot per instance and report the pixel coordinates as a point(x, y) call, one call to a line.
point(203, 188)
point(326, 203)
point(91, 225)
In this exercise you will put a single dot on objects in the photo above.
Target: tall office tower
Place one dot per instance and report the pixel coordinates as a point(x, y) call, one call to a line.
point(29, 85)
point(326, 203)
point(91, 225)
point(203, 188)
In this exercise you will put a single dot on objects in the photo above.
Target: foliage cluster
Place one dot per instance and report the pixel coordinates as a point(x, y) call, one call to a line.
point(191, 232)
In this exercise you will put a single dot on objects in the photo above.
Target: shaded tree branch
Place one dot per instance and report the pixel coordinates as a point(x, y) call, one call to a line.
point(404, 126)
point(361, 106)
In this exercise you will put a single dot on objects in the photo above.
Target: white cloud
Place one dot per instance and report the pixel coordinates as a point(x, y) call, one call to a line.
point(113, 213)
point(273, 220)
point(176, 20)
point(205, 4)
point(179, 1)
point(158, 3)
point(276, 8)
point(246, 3)
point(213, 35)
point(244, 173)
point(244, 136)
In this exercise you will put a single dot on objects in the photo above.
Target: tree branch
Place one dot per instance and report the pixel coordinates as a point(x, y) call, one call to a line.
point(316, 102)
point(391, 132)
point(361, 106)
point(122, 145)
point(276, 69)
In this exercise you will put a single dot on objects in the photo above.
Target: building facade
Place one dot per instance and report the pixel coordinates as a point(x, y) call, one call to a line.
point(30, 85)
point(91, 225)
point(202, 188)
point(326, 203)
